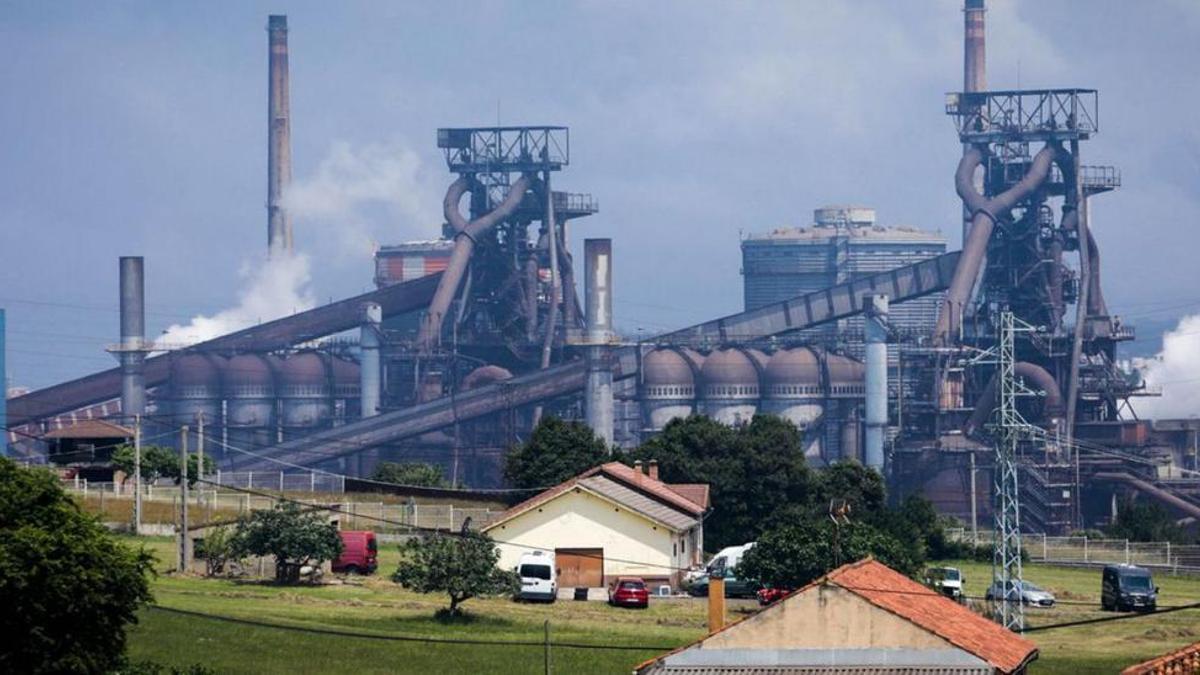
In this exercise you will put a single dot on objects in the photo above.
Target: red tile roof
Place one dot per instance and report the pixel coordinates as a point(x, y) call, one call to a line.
point(93, 428)
point(1186, 660)
point(697, 493)
point(620, 473)
point(886, 588)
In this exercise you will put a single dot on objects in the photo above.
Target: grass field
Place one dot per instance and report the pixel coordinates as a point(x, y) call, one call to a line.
point(378, 607)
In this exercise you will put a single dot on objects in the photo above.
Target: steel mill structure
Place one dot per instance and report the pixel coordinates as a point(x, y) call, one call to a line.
point(870, 339)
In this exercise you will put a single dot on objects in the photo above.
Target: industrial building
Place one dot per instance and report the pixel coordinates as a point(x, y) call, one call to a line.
point(877, 343)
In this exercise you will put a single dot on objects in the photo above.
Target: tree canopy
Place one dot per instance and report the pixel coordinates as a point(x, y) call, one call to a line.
point(292, 536)
point(752, 470)
point(69, 589)
point(160, 462)
point(557, 450)
point(1145, 521)
point(461, 566)
point(409, 473)
point(794, 554)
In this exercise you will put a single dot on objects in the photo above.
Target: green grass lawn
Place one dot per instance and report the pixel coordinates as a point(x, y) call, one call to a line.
point(379, 607)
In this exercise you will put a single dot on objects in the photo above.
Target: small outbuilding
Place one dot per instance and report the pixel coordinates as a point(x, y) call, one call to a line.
point(862, 618)
point(610, 521)
point(1179, 662)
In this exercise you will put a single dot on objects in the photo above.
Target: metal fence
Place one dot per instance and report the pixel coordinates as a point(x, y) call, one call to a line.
point(161, 505)
point(303, 481)
point(1083, 550)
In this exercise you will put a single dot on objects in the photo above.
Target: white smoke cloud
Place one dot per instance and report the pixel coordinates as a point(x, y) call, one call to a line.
point(271, 290)
point(359, 196)
point(1176, 371)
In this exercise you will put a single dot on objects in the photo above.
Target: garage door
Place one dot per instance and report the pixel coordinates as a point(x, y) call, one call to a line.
point(580, 567)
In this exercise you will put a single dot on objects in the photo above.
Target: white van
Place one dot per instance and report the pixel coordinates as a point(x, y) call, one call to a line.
point(723, 565)
point(539, 580)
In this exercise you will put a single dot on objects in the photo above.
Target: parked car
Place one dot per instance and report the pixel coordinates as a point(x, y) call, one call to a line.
point(629, 592)
point(723, 565)
point(360, 553)
point(767, 596)
point(1031, 594)
point(539, 578)
point(946, 580)
point(1128, 588)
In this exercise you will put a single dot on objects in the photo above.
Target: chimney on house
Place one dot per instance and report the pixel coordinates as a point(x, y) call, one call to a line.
point(637, 466)
point(653, 469)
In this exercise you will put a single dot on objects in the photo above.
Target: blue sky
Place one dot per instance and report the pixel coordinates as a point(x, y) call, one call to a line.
point(139, 128)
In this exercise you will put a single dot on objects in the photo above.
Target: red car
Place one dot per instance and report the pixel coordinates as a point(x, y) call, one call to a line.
point(629, 592)
point(767, 596)
point(359, 553)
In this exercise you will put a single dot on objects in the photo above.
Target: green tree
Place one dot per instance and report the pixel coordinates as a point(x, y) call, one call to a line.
point(294, 537)
point(159, 462)
point(795, 554)
point(557, 450)
point(219, 550)
point(461, 566)
point(1145, 521)
point(68, 589)
point(409, 473)
point(753, 471)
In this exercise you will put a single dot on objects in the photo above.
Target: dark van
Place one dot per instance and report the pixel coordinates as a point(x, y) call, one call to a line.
point(1128, 588)
point(359, 553)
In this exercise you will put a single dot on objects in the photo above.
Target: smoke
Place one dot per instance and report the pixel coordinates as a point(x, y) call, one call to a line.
point(1176, 371)
point(271, 290)
point(359, 196)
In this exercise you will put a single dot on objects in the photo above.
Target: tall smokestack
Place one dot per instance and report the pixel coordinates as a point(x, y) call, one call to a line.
point(279, 137)
point(974, 55)
point(598, 389)
point(876, 333)
point(133, 335)
point(369, 369)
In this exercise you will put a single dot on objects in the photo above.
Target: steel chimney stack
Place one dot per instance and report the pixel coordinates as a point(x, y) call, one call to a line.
point(279, 138)
point(131, 352)
point(369, 367)
point(876, 333)
point(974, 53)
point(598, 389)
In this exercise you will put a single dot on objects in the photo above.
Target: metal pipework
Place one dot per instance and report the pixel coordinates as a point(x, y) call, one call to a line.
point(1035, 375)
point(985, 214)
point(369, 367)
point(464, 244)
point(598, 389)
point(279, 137)
point(875, 328)
point(974, 52)
point(133, 336)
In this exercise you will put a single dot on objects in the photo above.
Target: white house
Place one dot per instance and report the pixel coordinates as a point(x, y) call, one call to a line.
point(610, 521)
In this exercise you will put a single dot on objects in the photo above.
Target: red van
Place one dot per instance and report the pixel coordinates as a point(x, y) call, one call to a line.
point(359, 553)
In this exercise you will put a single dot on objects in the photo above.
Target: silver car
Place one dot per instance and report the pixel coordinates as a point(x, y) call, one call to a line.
point(1031, 594)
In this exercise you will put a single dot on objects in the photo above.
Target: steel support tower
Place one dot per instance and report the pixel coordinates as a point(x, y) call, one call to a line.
point(1006, 495)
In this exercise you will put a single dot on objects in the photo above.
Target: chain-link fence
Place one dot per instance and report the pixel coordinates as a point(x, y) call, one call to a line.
point(1083, 550)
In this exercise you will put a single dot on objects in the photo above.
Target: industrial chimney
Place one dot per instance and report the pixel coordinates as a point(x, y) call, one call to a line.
point(279, 138)
point(133, 336)
point(974, 61)
point(598, 390)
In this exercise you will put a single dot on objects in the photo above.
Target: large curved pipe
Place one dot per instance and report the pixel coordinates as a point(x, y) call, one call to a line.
point(1037, 376)
point(985, 213)
point(1095, 299)
point(464, 245)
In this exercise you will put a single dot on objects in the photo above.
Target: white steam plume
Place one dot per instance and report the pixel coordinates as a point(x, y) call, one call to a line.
point(361, 195)
point(1176, 371)
point(273, 289)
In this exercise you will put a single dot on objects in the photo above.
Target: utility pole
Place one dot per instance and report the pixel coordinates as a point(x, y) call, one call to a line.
point(200, 451)
point(137, 475)
point(974, 507)
point(185, 545)
point(1010, 428)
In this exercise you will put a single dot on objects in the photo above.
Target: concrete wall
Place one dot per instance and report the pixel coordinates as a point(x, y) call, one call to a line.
point(581, 519)
point(826, 617)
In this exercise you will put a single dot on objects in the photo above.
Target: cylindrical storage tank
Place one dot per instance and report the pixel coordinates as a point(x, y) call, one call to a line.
point(668, 387)
point(792, 387)
point(346, 388)
point(305, 395)
point(249, 387)
point(195, 390)
point(729, 386)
